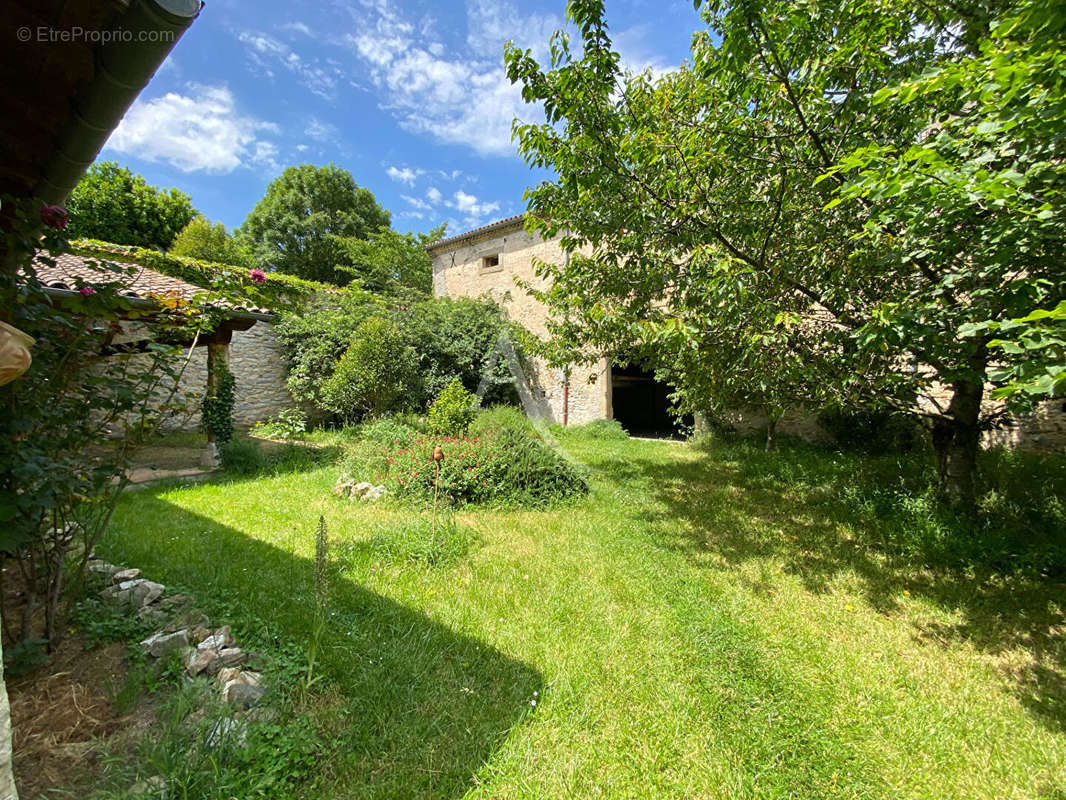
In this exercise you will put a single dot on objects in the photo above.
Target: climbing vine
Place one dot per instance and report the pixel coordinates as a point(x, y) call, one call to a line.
point(216, 409)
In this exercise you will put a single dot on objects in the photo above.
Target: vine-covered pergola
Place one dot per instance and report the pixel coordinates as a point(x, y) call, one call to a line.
point(153, 299)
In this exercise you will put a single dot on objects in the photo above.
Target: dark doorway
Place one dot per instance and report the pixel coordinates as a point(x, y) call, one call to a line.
point(642, 404)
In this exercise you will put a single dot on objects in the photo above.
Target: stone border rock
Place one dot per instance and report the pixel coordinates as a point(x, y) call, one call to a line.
point(204, 651)
point(347, 487)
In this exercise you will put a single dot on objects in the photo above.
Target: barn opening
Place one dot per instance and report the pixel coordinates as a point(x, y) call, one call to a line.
point(642, 404)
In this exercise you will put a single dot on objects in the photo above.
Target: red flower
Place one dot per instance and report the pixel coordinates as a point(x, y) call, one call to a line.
point(86, 291)
point(257, 276)
point(54, 217)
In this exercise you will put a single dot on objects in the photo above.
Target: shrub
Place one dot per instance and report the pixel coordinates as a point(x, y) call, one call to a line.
point(872, 430)
point(315, 339)
point(290, 423)
point(453, 410)
point(506, 468)
point(378, 373)
point(491, 421)
point(62, 475)
point(387, 431)
point(454, 338)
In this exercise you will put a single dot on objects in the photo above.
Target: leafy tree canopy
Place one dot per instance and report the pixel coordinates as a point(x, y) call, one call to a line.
point(376, 374)
point(793, 183)
point(113, 204)
point(200, 239)
point(391, 262)
point(300, 224)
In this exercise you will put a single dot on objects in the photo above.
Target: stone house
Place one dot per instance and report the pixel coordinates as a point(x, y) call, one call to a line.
point(487, 261)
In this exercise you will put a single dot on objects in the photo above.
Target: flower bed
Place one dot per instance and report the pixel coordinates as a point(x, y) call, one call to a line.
point(504, 467)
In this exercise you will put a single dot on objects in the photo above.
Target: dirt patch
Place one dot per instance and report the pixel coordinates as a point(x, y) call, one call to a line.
point(59, 712)
point(154, 463)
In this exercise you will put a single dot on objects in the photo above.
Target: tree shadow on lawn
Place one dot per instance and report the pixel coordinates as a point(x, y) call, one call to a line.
point(741, 505)
point(414, 709)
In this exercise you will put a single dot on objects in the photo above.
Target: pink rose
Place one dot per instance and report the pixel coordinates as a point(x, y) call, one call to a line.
point(85, 291)
point(54, 216)
point(258, 276)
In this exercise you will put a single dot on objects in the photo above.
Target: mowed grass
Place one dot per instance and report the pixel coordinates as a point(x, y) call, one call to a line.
point(709, 623)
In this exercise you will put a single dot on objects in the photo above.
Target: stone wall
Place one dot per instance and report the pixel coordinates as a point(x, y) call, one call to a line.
point(258, 363)
point(793, 422)
point(460, 269)
point(258, 366)
point(1042, 430)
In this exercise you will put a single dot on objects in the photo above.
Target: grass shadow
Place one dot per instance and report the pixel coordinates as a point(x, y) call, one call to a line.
point(415, 709)
point(818, 515)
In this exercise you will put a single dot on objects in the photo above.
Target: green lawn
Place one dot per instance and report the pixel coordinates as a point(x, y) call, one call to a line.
point(709, 623)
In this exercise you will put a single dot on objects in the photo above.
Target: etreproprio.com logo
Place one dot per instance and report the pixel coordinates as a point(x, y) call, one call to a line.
point(76, 34)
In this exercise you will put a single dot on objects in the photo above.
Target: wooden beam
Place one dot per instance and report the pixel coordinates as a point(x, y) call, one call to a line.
point(222, 335)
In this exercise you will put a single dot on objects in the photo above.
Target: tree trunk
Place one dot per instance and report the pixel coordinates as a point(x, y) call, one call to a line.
point(771, 430)
point(216, 356)
point(956, 437)
point(7, 779)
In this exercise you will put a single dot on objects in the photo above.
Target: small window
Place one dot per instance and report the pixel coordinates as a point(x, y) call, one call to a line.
point(491, 263)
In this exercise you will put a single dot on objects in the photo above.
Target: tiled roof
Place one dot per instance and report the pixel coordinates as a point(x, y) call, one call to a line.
point(136, 280)
point(142, 283)
point(502, 223)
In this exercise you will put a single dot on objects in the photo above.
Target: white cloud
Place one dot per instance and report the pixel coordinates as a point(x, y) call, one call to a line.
point(268, 54)
point(199, 131)
point(321, 131)
point(490, 23)
point(265, 153)
point(636, 54)
point(474, 210)
point(458, 96)
point(434, 195)
point(298, 27)
point(404, 175)
point(416, 202)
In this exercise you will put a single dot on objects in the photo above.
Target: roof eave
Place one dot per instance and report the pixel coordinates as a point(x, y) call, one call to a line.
point(124, 66)
point(515, 221)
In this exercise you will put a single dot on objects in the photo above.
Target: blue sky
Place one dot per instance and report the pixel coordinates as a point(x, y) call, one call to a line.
point(408, 96)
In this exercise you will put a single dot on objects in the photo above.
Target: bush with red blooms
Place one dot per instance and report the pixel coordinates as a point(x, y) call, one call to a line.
point(506, 467)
